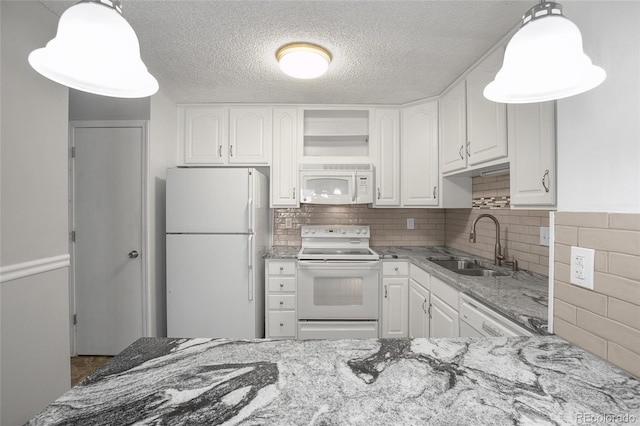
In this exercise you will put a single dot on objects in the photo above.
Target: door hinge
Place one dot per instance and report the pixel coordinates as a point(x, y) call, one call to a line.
point(73, 152)
point(75, 319)
point(73, 236)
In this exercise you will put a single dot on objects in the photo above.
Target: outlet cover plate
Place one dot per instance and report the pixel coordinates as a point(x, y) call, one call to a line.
point(410, 223)
point(582, 266)
point(544, 236)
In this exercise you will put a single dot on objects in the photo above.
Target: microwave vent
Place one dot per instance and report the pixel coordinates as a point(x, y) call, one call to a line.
point(354, 167)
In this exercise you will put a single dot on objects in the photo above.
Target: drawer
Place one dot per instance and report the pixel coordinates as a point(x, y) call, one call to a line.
point(418, 275)
point(282, 268)
point(445, 292)
point(395, 268)
point(282, 324)
point(282, 302)
point(282, 284)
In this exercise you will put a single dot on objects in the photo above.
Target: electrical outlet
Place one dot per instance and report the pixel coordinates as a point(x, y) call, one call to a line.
point(410, 223)
point(287, 223)
point(544, 236)
point(582, 265)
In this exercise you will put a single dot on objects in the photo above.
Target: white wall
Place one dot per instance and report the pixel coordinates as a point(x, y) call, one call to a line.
point(599, 131)
point(33, 220)
point(162, 154)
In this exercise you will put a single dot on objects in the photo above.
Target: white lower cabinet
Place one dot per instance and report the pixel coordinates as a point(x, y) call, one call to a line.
point(444, 310)
point(395, 299)
point(281, 318)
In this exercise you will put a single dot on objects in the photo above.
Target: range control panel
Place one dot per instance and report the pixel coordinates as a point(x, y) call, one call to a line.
point(335, 231)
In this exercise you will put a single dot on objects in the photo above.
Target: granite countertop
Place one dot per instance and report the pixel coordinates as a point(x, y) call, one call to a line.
point(525, 380)
point(521, 296)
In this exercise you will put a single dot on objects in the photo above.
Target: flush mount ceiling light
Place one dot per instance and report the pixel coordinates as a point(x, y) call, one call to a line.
point(303, 60)
point(544, 60)
point(95, 50)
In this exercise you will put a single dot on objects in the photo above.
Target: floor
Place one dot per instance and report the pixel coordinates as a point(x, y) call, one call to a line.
point(83, 366)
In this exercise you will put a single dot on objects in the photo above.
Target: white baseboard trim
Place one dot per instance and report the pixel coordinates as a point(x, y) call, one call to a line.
point(33, 267)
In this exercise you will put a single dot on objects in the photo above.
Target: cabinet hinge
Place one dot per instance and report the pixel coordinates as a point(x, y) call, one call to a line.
point(73, 236)
point(75, 319)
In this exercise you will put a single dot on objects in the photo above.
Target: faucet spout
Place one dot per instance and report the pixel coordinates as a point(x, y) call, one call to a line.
point(498, 257)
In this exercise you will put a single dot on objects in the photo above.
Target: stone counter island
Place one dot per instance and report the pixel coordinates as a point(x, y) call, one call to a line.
point(529, 380)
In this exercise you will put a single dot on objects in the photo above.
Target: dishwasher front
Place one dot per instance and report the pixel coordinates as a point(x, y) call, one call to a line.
point(477, 320)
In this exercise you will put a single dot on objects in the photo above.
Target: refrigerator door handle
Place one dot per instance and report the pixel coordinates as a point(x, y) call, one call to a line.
point(250, 203)
point(251, 269)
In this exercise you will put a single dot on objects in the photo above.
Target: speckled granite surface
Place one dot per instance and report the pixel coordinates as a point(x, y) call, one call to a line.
point(530, 380)
point(520, 296)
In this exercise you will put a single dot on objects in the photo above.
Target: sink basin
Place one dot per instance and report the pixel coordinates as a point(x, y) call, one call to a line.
point(479, 272)
point(453, 264)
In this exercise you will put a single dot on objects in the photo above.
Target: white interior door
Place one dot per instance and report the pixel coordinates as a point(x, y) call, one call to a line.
point(108, 253)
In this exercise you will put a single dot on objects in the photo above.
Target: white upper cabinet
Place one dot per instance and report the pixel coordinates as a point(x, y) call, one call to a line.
point(203, 135)
point(420, 173)
point(386, 138)
point(453, 128)
point(473, 128)
point(532, 146)
point(284, 164)
point(486, 120)
point(212, 135)
point(249, 135)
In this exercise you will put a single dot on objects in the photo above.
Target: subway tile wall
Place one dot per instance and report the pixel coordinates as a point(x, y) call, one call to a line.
point(388, 226)
point(520, 229)
point(605, 320)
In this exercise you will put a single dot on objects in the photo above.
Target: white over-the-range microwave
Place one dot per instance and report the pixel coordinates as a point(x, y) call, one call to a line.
point(336, 183)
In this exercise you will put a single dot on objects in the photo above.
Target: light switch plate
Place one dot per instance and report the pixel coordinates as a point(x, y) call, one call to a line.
point(582, 266)
point(544, 236)
point(410, 223)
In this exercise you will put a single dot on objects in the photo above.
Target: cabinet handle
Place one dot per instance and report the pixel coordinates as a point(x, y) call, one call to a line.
point(468, 147)
point(429, 310)
point(294, 193)
point(423, 308)
point(230, 150)
point(460, 152)
point(281, 324)
point(395, 269)
point(281, 303)
point(282, 268)
point(281, 285)
point(386, 293)
point(378, 193)
point(220, 151)
point(434, 192)
point(544, 180)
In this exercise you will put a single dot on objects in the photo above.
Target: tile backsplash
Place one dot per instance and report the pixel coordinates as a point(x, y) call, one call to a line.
point(388, 226)
point(435, 227)
point(605, 320)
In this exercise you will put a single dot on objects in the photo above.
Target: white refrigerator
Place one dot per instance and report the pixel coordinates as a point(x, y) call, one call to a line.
point(217, 233)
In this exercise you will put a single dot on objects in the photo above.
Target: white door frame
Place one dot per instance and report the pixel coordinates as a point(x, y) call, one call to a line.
point(146, 288)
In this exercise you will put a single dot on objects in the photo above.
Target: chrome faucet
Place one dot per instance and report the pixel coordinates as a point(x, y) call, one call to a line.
point(498, 257)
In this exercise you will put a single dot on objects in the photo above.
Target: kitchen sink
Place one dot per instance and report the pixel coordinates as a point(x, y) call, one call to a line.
point(479, 272)
point(466, 267)
point(452, 264)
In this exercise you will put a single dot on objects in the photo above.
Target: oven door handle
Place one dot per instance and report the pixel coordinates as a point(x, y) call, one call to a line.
point(342, 265)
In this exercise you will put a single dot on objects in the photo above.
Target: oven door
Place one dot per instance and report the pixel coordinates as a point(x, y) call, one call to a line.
point(338, 290)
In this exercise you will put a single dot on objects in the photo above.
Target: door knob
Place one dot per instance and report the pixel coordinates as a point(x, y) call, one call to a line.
point(133, 254)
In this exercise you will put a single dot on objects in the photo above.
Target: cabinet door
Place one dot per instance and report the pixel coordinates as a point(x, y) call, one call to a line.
point(418, 310)
point(204, 135)
point(250, 135)
point(395, 315)
point(420, 155)
point(533, 154)
point(453, 128)
point(486, 120)
point(444, 319)
point(387, 137)
point(284, 163)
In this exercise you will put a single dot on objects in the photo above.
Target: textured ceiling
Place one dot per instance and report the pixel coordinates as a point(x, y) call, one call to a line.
point(388, 52)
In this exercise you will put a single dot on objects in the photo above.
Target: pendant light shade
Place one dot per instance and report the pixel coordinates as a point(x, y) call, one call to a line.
point(303, 60)
point(95, 50)
point(544, 61)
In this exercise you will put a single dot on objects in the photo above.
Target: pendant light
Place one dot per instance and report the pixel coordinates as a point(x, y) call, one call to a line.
point(544, 60)
point(303, 60)
point(95, 50)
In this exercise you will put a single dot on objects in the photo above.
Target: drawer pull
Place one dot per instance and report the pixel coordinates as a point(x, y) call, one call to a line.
point(281, 324)
point(396, 269)
point(282, 268)
point(281, 303)
point(281, 285)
